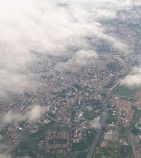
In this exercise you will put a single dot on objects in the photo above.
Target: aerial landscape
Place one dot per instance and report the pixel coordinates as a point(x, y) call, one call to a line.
point(70, 79)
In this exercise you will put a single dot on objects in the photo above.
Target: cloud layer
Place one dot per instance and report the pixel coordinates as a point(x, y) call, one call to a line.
point(50, 27)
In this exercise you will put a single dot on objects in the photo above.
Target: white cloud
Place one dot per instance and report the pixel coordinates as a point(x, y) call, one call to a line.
point(95, 123)
point(12, 117)
point(44, 26)
point(78, 59)
point(35, 113)
point(83, 57)
point(133, 79)
point(32, 114)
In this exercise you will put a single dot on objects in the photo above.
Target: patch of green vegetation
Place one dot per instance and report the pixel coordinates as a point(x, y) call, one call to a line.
point(64, 129)
point(79, 146)
point(89, 115)
point(29, 142)
point(26, 148)
point(60, 155)
point(111, 151)
point(110, 118)
point(136, 117)
point(93, 102)
point(51, 114)
point(113, 67)
point(126, 151)
point(125, 92)
point(97, 102)
point(49, 155)
point(77, 86)
point(132, 100)
point(86, 143)
point(103, 94)
point(82, 155)
point(123, 132)
point(112, 145)
point(73, 113)
point(135, 131)
point(90, 136)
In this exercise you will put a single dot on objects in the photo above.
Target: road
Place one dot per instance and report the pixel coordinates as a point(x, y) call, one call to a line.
point(103, 119)
point(92, 148)
point(65, 123)
point(134, 145)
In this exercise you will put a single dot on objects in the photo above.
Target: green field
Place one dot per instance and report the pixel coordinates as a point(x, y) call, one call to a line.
point(60, 155)
point(123, 132)
point(89, 115)
point(125, 92)
point(136, 117)
point(110, 118)
point(82, 155)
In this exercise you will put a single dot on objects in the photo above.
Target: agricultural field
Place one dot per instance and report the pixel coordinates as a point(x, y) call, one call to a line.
point(123, 91)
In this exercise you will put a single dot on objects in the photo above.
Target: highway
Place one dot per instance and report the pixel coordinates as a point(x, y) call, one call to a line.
point(92, 148)
point(103, 118)
point(61, 122)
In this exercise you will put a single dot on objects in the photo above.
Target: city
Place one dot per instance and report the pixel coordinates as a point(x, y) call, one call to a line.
point(75, 90)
